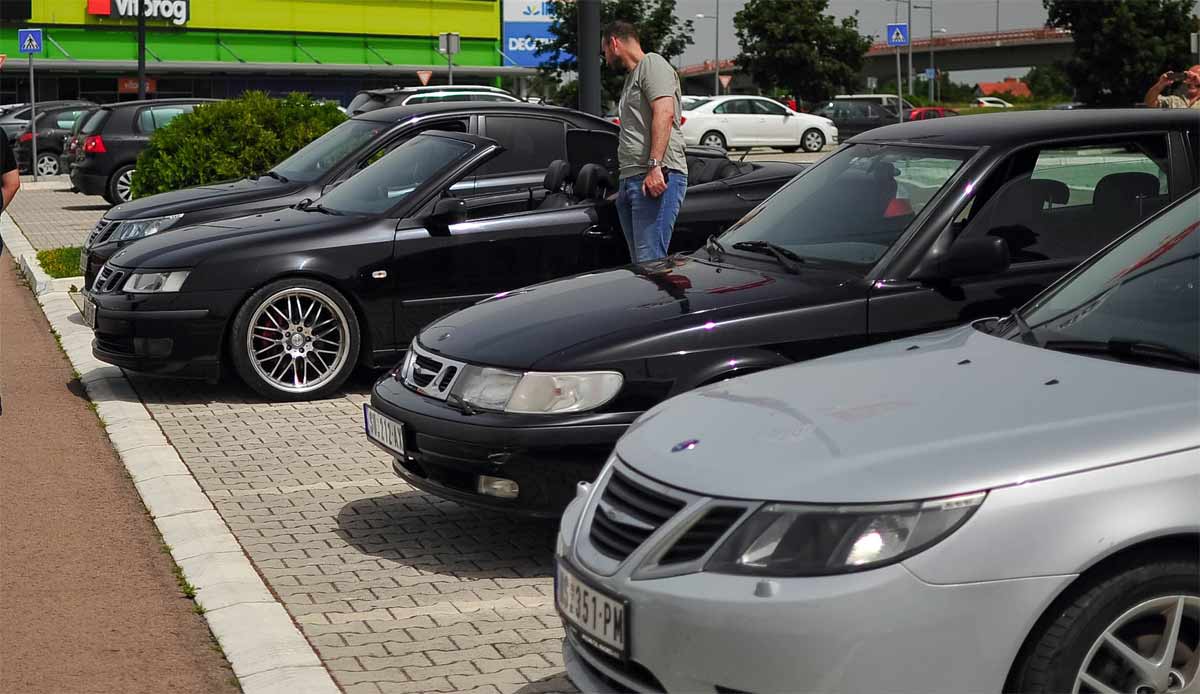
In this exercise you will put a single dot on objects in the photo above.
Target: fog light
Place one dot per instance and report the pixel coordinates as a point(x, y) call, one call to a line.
point(497, 486)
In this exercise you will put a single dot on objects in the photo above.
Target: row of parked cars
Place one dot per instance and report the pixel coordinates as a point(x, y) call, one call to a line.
point(921, 414)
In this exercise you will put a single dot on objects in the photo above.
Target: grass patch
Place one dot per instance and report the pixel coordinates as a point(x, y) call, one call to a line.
point(60, 262)
point(188, 590)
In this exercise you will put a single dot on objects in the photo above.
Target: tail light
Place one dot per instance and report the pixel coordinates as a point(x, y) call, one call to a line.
point(25, 137)
point(94, 144)
point(682, 120)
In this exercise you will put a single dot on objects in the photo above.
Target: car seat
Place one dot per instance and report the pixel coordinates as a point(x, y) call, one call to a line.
point(1121, 200)
point(593, 183)
point(555, 182)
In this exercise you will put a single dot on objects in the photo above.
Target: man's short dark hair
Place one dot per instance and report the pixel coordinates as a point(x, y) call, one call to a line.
point(622, 30)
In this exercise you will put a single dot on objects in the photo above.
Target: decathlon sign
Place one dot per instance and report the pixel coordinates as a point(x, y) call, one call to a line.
point(175, 11)
point(527, 29)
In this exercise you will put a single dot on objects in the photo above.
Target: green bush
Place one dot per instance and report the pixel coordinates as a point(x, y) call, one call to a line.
point(230, 139)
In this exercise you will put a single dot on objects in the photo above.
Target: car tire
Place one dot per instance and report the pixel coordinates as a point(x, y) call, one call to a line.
point(271, 359)
point(1127, 602)
point(119, 185)
point(812, 140)
point(712, 138)
point(47, 164)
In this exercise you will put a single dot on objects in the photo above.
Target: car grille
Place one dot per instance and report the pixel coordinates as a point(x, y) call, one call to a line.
point(627, 514)
point(429, 374)
point(108, 280)
point(99, 233)
point(703, 534)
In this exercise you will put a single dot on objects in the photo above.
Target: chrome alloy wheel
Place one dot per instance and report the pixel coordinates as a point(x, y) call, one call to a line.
point(47, 165)
point(125, 186)
point(1153, 648)
point(813, 141)
point(713, 140)
point(298, 340)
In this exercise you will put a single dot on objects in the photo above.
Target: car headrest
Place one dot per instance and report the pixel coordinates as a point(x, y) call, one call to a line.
point(1126, 186)
point(556, 175)
point(593, 182)
point(1046, 190)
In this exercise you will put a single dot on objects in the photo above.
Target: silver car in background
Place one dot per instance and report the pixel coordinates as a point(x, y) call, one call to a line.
point(1012, 505)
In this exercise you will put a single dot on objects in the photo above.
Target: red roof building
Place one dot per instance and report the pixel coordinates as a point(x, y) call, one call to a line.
point(1011, 86)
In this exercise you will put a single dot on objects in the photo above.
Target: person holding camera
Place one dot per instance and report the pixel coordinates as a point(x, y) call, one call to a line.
point(1190, 96)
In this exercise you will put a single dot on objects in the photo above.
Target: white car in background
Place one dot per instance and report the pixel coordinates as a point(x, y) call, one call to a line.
point(754, 121)
point(992, 102)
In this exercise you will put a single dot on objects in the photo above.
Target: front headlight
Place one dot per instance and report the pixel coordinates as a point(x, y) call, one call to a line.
point(535, 392)
point(153, 282)
point(809, 540)
point(131, 229)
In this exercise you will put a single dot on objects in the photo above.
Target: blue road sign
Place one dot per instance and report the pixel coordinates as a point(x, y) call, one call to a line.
point(930, 73)
point(29, 40)
point(897, 35)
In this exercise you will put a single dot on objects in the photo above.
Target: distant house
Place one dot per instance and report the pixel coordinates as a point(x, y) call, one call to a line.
point(1011, 86)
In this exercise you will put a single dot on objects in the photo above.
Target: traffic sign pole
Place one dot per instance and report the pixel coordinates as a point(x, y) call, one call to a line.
point(897, 37)
point(899, 88)
point(33, 119)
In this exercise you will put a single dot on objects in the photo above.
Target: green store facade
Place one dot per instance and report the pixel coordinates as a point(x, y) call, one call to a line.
point(219, 48)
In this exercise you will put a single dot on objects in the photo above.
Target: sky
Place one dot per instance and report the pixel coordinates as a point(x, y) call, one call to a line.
point(955, 16)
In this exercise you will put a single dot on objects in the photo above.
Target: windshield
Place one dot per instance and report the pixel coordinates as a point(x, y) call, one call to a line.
point(95, 122)
point(690, 103)
point(386, 183)
point(1145, 290)
point(316, 158)
point(853, 206)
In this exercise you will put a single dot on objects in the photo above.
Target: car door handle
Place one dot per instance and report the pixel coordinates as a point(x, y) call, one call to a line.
point(598, 233)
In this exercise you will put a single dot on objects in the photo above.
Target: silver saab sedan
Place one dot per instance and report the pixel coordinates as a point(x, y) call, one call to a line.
point(1013, 505)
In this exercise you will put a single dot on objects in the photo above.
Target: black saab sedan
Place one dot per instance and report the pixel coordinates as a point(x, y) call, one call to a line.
point(294, 299)
point(905, 229)
point(531, 135)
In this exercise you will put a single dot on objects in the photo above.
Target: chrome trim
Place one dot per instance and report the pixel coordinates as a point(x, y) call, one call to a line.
point(434, 388)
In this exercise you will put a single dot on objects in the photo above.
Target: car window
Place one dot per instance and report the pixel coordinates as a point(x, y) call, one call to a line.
point(1142, 290)
point(854, 204)
point(96, 121)
point(23, 114)
point(152, 119)
point(530, 144)
point(65, 120)
point(491, 97)
point(316, 158)
point(767, 108)
point(1066, 202)
point(453, 125)
point(389, 181)
point(735, 107)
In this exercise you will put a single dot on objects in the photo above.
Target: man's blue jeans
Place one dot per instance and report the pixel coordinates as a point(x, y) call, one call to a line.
point(648, 222)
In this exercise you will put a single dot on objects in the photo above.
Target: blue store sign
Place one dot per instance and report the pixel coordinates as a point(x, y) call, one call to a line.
point(526, 29)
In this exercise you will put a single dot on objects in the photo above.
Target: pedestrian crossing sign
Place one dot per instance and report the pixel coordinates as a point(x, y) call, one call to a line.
point(897, 35)
point(29, 40)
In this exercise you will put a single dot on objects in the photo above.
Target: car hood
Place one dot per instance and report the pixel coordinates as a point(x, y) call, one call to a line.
point(203, 198)
point(551, 324)
point(176, 250)
point(947, 413)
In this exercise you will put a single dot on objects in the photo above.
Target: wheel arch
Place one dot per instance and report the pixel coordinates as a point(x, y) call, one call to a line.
point(1170, 544)
point(726, 366)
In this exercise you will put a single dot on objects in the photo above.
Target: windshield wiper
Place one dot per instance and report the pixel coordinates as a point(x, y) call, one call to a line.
point(715, 250)
point(1026, 332)
point(279, 177)
point(788, 260)
point(324, 210)
point(1136, 350)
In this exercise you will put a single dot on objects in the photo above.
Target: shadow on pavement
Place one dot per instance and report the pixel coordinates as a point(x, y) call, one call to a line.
point(554, 684)
point(164, 390)
point(420, 530)
point(87, 208)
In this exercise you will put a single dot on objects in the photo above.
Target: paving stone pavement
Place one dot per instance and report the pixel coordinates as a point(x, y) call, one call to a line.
point(397, 590)
point(51, 216)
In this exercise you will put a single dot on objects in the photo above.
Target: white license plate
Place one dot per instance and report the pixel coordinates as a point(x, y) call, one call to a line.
point(383, 429)
point(600, 620)
point(88, 311)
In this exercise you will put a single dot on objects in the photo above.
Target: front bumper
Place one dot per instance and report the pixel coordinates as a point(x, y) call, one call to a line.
point(448, 450)
point(179, 334)
point(875, 631)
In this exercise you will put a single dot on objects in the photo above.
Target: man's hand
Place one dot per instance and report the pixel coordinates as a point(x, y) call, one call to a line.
point(654, 184)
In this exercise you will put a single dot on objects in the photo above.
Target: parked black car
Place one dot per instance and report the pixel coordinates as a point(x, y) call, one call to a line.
point(14, 121)
point(53, 126)
point(906, 229)
point(531, 135)
point(114, 137)
point(72, 141)
point(295, 298)
point(856, 116)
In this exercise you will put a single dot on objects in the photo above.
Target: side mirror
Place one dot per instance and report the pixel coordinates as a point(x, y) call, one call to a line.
point(449, 211)
point(966, 258)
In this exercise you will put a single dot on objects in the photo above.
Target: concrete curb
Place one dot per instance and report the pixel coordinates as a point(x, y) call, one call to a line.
point(268, 653)
point(20, 248)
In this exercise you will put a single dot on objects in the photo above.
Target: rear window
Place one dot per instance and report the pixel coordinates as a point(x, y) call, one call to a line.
point(96, 122)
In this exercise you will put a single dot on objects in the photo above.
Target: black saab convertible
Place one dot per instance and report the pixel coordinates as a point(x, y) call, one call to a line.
point(297, 297)
point(905, 229)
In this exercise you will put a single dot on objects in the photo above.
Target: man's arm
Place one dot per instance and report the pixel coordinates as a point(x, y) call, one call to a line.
point(10, 181)
point(662, 112)
point(1163, 82)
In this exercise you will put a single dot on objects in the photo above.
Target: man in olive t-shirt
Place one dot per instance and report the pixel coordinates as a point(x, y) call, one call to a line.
point(650, 147)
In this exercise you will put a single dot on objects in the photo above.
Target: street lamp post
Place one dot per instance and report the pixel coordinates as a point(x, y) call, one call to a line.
point(716, 17)
point(931, 33)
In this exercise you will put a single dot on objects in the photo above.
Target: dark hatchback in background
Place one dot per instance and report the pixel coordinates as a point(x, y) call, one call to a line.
point(53, 127)
point(856, 116)
point(297, 297)
point(113, 138)
point(16, 119)
point(374, 99)
point(906, 229)
point(532, 136)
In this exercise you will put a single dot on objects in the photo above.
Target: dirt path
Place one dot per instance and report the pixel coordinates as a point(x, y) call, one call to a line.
point(88, 600)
